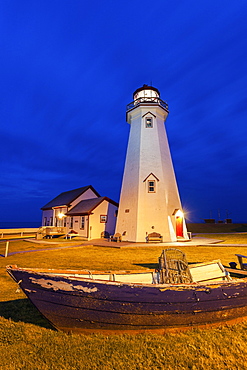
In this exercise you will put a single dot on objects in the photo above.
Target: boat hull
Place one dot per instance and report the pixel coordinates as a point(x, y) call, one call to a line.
point(87, 305)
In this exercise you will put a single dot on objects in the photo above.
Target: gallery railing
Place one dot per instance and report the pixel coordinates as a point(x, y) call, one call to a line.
point(148, 100)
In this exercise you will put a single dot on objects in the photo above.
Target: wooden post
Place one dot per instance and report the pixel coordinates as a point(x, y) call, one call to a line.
point(6, 248)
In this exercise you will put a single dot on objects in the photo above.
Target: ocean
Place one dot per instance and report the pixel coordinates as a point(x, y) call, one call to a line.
point(19, 225)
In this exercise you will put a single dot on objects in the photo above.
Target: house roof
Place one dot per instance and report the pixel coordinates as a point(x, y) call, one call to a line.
point(86, 206)
point(67, 197)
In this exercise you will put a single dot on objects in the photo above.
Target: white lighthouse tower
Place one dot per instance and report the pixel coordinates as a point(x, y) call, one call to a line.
point(149, 200)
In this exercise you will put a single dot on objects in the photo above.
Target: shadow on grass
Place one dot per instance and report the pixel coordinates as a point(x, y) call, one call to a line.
point(154, 266)
point(151, 266)
point(23, 310)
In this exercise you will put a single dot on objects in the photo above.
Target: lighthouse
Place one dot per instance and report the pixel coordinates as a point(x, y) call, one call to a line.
point(149, 200)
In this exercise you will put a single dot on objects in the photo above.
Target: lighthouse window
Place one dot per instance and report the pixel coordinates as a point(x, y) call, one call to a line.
point(151, 186)
point(149, 122)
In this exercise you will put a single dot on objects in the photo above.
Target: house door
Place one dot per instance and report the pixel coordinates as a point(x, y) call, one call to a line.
point(76, 226)
point(179, 226)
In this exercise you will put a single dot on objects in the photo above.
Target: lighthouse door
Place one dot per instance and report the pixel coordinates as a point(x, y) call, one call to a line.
point(179, 226)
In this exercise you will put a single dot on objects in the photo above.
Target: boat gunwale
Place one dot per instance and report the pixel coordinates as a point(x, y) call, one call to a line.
point(68, 274)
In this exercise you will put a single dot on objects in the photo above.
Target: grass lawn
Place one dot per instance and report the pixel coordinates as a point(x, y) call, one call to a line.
point(28, 342)
point(239, 238)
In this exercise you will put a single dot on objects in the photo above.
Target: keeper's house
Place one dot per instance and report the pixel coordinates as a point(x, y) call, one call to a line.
point(82, 211)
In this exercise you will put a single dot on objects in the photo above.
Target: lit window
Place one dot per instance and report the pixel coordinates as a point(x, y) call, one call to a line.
point(82, 222)
point(149, 122)
point(103, 218)
point(151, 186)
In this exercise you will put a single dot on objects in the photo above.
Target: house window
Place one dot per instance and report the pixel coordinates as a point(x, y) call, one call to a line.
point(45, 221)
point(71, 223)
point(103, 218)
point(149, 122)
point(151, 186)
point(51, 221)
point(82, 222)
point(64, 222)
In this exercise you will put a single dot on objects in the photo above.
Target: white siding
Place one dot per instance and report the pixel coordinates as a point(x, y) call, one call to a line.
point(95, 226)
point(141, 212)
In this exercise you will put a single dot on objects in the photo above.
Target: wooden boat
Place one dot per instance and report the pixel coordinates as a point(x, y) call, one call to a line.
point(134, 301)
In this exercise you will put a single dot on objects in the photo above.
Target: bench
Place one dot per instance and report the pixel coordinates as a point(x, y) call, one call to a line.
point(105, 235)
point(154, 237)
point(243, 266)
point(116, 238)
point(52, 231)
point(71, 234)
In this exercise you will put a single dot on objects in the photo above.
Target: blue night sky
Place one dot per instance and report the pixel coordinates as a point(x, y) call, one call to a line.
point(70, 67)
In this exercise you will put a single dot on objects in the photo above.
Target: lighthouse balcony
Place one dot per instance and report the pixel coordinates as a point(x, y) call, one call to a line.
point(147, 101)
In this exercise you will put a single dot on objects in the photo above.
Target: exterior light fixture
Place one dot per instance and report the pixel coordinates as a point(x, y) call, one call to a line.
point(179, 213)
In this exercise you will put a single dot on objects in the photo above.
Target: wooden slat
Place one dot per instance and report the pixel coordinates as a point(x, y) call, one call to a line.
point(146, 278)
point(208, 271)
point(236, 271)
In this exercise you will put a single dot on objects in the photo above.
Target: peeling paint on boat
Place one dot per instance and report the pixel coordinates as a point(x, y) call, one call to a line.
point(61, 285)
point(30, 291)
